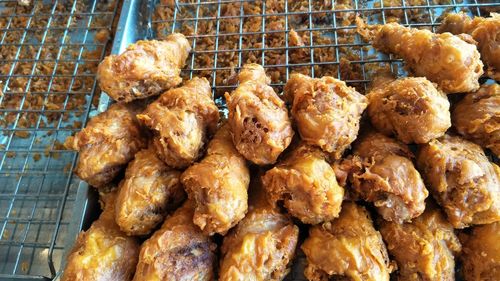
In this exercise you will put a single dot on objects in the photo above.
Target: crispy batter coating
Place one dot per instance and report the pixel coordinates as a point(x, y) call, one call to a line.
point(218, 184)
point(150, 189)
point(424, 249)
point(258, 118)
point(382, 172)
point(446, 59)
point(326, 111)
point(178, 251)
point(485, 31)
point(261, 246)
point(145, 69)
point(181, 118)
point(347, 248)
point(481, 253)
point(103, 252)
point(306, 184)
point(462, 180)
point(412, 109)
point(108, 142)
point(477, 117)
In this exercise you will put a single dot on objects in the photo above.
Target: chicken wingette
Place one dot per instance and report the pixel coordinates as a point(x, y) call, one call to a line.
point(181, 120)
point(445, 59)
point(146, 68)
point(326, 111)
point(258, 118)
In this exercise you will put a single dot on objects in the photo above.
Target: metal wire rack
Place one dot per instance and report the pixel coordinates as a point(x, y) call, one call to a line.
point(49, 51)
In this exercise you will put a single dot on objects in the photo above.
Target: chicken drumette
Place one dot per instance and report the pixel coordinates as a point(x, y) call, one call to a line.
point(181, 119)
point(145, 69)
point(218, 185)
point(462, 180)
point(446, 59)
point(150, 189)
point(326, 111)
point(347, 248)
point(477, 117)
point(412, 109)
point(108, 142)
point(258, 118)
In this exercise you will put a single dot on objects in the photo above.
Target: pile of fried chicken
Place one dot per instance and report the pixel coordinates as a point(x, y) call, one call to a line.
point(196, 197)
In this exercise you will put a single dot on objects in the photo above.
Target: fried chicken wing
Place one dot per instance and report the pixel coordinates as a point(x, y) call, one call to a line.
point(150, 189)
point(477, 117)
point(181, 118)
point(347, 248)
point(485, 31)
point(108, 142)
point(412, 109)
point(145, 69)
point(481, 253)
point(258, 118)
point(326, 111)
point(382, 172)
point(462, 180)
point(306, 185)
point(218, 185)
point(261, 246)
point(423, 249)
point(103, 252)
point(178, 251)
point(446, 59)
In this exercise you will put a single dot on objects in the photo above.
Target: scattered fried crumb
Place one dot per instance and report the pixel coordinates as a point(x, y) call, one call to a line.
point(37, 156)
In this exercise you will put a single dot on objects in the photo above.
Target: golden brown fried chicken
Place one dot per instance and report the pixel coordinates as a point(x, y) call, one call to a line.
point(326, 111)
point(261, 246)
point(108, 142)
point(485, 31)
point(103, 252)
point(412, 109)
point(462, 180)
point(382, 172)
point(347, 248)
point(178, 251)
point(218, 185)
point(145, 69)
point(477, 117)
point(446, 59)
point(306, 185)
point(424, 249)
point(181, 118)
point(258, 118)
point(150, 189)
point(481, 253)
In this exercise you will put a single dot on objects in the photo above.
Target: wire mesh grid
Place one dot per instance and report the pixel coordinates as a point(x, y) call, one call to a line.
point(49, 51)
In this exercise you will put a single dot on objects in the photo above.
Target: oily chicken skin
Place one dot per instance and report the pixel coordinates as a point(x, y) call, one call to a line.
point(178, 251)
point(346, 248)
point(412, 109)
point(462, 180)
point(181, 120)
point(481, 253)
point(326, 111)
point(258, 118)
point(445, 59)
point(218, 185)
point(146, 68)
point(306, 184)
point(149, 190)
point(382, 172)
point(425, 248)
point(485, 31)
point(261, 246)
point(103, 252)
point(477, 117)
point(108, 142)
